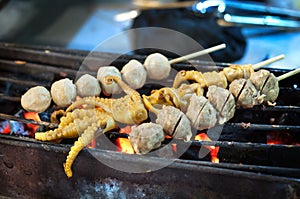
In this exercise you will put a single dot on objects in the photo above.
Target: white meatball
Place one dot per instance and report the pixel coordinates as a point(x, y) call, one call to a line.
point(134, 74)
point(63, 92)
point(146, 137)
point(36, 99)
point(87, 85)
point(112, 88)
point(157, 66)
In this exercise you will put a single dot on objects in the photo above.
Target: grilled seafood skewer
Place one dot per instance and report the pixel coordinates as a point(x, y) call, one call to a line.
point(86, 124)
point(221, 78)
point(158, 66)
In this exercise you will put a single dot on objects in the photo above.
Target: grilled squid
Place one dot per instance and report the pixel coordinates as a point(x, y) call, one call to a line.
point(146, 137)
point(88, 85)
point(105, 71)
point(36, 99)
point(134, 74)
point(157, 66)
point(63, 92)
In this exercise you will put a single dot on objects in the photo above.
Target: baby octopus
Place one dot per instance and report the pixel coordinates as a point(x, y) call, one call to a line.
point(99, 116)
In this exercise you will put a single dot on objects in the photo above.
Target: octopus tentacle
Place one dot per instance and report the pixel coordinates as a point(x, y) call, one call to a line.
point(49, 135)
point(76, 114)
point(70, 131)
point(88, 135)
point(103, 103)
point(71, 125)
point(189, 75)
point(134, 95)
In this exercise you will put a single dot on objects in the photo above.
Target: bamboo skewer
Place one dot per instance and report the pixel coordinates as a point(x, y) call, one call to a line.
point(197, 54)
point(268, 61)
point(289, 74)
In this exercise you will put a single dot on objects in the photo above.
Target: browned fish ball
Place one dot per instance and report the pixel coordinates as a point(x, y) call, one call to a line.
point(245, 93)
point(134, 74)
point(146, 137)
point(36, 99)
point(157, 66)
point(223, 101)
point(201, 113)
point(175, 123)
point(266, 83)
point(87, 85)
point(113, 87)
point(63, 92)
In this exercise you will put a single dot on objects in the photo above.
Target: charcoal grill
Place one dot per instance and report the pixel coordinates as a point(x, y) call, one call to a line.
point(248, 168)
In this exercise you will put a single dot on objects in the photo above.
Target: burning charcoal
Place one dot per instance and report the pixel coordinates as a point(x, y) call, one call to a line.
point(223, 101)
point(4, 127)
point(157, 66)
point(201, 113)
point(63, 92)
point(134, 74)
point(146, 137)
point(175, 123)
point(87, 85)
point(18, 129)
point(105, 71)
point(36, 99)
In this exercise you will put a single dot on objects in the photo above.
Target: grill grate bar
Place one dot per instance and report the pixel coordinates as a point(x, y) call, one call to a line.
point(258, 127)
point(273, 170)
point(26, 121)
point(9, 98)
point(23, 82)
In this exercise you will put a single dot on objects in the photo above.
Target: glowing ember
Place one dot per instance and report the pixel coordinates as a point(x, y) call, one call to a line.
point(92, 145)
point(124, 145)
point(168, 137)
point(4, 127)
point(18, 128)
point(32, 116)
point(174, 147)
point(281, 138)
point(126, 129)
point(213, 149)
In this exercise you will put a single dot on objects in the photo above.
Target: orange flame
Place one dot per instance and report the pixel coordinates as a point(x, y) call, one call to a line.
point(124, 145)
point(281, 138)
point(126, 130)
point(213, 149)
point(6, 128)
point(92, 144)
point(32, 116)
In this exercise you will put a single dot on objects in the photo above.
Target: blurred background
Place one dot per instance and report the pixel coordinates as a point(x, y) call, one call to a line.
point(252, 30)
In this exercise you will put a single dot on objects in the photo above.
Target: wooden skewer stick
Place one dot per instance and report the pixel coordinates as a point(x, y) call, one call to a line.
point(289, 74)
point(197, 54)
point(268, 61)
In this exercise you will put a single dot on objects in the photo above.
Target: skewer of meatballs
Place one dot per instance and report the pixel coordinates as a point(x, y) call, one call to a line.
point(202, 113)
point(250, 88)
point(156, 67)
point(63, 92)
point(219, 106)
